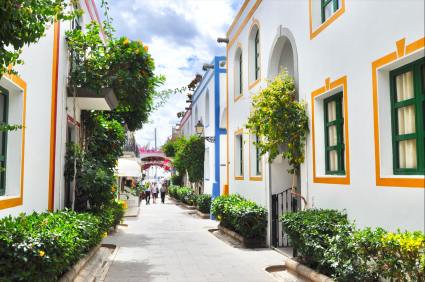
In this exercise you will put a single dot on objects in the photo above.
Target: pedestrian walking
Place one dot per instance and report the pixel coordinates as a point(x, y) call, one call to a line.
point(163, 190)
point(154, 192)
point(148, 195)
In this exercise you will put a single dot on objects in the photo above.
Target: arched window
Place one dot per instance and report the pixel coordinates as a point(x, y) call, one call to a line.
point(254, 55)
point(207, 107)
point(238, 66)
point(257, 54)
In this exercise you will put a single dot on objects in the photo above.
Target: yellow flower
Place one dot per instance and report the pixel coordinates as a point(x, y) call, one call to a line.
point(41, 253)
point(126, 41)
point(104, 235)
point(146, 48)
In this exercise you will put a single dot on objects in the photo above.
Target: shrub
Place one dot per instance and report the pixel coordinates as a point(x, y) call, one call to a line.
point(310, 231)
point(396, 256)
point(243, 216)
point(203, 203)
point(329, 242)
point(41, 247)
point(177, 179)
point(183, 194)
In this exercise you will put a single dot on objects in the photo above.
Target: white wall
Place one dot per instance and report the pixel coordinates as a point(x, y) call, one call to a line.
point(347, 47)
point(37, 73)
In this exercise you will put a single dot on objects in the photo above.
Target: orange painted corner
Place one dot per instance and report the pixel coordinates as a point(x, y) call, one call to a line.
point(53, 120)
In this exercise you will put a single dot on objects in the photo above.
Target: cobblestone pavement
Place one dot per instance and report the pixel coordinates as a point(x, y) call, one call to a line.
point(166, 243)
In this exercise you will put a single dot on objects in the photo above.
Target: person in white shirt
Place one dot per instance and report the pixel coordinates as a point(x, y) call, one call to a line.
point(154, 192)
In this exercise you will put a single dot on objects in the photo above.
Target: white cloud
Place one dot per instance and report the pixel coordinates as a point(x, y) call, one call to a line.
point(181, 36)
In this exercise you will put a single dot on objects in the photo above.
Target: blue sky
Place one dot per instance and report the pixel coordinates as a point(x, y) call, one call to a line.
point(181, 35)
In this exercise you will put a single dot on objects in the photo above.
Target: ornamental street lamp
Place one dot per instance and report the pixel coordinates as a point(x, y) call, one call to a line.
point(199, 129)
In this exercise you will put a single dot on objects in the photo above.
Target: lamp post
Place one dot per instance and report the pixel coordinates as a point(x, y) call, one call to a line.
point(199, 129)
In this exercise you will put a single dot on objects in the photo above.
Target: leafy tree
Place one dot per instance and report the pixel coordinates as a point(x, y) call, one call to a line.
point(280, 121)
point(122, 64)
point(23, 22)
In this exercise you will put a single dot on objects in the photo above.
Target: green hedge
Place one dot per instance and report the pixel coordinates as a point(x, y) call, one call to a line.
point(183, 194)
point(203, 203)
point(243, 216)
point(43, 246)
point(328, 242)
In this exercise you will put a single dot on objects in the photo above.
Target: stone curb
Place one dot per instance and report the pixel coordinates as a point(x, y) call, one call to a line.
point(108, 264)
point(248, 243)
point(71, 274)
point(305, 272)
point(202, 215)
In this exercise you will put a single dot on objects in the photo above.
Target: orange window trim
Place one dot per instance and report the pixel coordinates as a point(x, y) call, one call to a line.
point(342, 81)
point(53, 121)
point(18, 201)
point(401, 51)
point(330, 20)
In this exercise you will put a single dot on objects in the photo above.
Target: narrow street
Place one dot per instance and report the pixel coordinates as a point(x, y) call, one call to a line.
point(166, 243)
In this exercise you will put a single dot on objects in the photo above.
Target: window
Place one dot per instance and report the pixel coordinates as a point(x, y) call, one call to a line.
point(4, 103)
point(255, 159)
point(257, 54)
point(408, 118)
point(207, 108)
point(238, 75)
point(328, 8)
point(334, 135)
point(239, 160)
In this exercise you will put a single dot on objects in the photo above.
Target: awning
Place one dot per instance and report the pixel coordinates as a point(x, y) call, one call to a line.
point(128, 167)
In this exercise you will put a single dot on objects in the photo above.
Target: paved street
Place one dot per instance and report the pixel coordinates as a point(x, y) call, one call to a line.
point(166, 243)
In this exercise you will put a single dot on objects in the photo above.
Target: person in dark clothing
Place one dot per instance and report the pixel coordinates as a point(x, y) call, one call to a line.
point(163, 190)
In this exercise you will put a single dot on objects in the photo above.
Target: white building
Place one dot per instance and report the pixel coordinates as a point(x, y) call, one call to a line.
point(33, 179)
point(208, 108)
point(363, 62)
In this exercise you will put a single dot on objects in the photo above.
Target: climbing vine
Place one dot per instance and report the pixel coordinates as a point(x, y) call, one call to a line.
point(280, 121)
point(121, 64)
point(23, 22)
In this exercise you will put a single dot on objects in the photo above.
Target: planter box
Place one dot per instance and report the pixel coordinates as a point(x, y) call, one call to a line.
point(248, 243)
point(73, 272)
point(202, 215)
point(305, 272)
point(189, 207)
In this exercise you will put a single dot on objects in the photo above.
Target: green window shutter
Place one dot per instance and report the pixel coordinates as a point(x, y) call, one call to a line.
point(257, 157)
point(334, 135)
point(328, 7)
point(257, 54)
point(4, 112)
point(407, 94)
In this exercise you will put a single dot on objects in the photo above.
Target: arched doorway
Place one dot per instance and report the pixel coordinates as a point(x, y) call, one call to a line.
point(283, 55)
